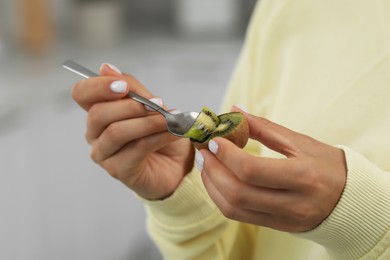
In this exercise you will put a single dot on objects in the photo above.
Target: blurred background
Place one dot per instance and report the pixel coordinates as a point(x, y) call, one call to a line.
point(55, 202)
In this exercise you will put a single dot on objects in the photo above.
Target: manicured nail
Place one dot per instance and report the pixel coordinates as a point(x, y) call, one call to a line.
point(119, 86)
point(157, 101)
point(213, 146)
point(199, 160)
point(112, 67)
point(240, 107)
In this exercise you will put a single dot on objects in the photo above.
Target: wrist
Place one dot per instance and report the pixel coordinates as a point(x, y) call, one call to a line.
point(357, 223)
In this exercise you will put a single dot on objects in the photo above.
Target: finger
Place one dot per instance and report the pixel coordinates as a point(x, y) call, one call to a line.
point(111, 86)
point(260, 171)
point(107, 69)
point(272, 135)
point(265, 218)
point(230, 210)
point(98, 89)
point(241, 194)
point(103, 114)
point(120, 133)
point(128, 160)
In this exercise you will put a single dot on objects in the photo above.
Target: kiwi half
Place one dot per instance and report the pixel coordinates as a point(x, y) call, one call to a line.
point(232, 126)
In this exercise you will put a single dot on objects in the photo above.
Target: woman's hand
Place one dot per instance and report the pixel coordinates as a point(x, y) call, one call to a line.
point(291, 194)
point(129, 141)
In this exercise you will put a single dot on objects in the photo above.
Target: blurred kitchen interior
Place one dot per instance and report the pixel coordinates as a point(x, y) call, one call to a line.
point(55, 203)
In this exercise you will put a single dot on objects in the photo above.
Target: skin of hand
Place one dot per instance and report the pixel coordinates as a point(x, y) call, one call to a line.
point(128, 141)
point(293, 194)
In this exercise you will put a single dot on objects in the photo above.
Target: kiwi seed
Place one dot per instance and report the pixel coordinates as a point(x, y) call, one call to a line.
point(232, 126)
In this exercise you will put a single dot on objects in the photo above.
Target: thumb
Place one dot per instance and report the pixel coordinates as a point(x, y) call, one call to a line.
point(272, 135)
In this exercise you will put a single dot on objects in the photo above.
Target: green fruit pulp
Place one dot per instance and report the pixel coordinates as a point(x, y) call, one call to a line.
point(208, 125)
point(204, 125)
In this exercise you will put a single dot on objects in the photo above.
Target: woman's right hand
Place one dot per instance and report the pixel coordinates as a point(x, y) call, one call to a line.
point(129, 141)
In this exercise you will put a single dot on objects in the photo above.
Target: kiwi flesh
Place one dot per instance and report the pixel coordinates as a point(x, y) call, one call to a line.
point(206, 122)
point(232, 126)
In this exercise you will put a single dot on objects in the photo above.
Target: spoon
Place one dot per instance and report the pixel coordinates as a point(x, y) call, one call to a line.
point(177, 124)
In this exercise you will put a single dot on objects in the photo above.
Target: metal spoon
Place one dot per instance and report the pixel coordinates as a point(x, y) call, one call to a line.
point(177, 124)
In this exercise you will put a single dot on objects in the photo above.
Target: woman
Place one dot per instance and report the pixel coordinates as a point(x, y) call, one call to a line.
point(319, 191)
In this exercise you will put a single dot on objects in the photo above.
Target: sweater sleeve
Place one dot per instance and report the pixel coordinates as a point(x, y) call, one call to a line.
point(359, 226)
point(186, 225)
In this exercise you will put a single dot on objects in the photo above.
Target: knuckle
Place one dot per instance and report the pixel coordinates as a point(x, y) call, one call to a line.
point(310, 179)
point(229, 211)
point(235, 196)
point(302, 212)
point(112, 170)
point(94, 154)
point(94, 115)
point(307, 178)
point(88, 138)
point(247, 172)
point(75, 91)
point(114, 132)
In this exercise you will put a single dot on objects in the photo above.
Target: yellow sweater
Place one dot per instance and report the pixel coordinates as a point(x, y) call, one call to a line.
point(321, 68)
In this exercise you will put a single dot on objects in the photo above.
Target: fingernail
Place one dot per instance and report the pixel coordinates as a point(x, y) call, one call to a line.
point(112, 67)
point(240, 107)
point(157, 101)
point(119, 86)
point(199, 160)
point(213, 146)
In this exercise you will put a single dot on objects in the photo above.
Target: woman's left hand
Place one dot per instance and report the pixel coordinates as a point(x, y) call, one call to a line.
point(292, 194)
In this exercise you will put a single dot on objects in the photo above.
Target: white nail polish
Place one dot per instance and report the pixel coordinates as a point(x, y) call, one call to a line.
point(213, 146)
point(157, 101)
point(112, 67)
point(118, 86)
point(199, 160)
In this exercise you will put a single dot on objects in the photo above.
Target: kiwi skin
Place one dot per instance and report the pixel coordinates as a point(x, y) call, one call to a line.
point(239, 135)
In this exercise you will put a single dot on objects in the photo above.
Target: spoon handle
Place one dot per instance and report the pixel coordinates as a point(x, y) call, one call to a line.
point(86, 73)
point(148, 103)
point(78, 69)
